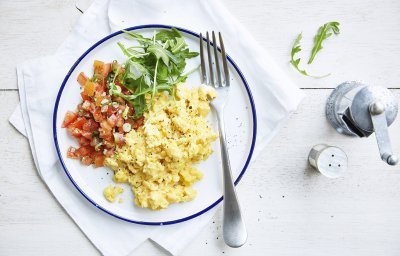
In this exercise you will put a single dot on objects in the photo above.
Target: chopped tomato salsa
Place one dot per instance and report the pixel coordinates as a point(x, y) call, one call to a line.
point(97, 123)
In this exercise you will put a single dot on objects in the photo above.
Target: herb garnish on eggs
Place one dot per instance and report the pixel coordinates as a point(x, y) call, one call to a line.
point(156, 64)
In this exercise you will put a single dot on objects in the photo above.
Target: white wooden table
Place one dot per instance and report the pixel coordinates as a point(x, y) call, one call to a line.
point(289, 208)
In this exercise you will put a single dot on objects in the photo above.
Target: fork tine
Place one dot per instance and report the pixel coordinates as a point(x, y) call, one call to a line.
point(202, 62)
point(210, 60)
point(218, 76)
point(224, 61)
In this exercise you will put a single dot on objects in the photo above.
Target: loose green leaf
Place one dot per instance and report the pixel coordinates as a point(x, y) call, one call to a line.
point(295, 62)
point(295, 49)
point(323, 33)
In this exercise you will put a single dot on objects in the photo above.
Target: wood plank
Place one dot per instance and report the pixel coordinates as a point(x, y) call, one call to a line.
point(366, 50)
point(289, 208)
point(30, 29)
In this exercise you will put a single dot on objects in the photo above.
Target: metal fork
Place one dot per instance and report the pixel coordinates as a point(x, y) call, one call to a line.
point(234, 229)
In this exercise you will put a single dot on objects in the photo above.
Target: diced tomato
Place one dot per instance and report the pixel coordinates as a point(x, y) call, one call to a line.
point(104, 109)
point(98, 66)
point(125, 91)
point(106, 126)
point(117, 82)
point(98, 98)
point(95, 141)
point(79, 122)
point(99, 160)
point(112, 120)
point(120, 100)
point(69, 118)
point(82, 78)
point(85, 97)
point(84, 151)
point(86, 105)
point(71, 153)
point(106, 69)
point(101, 85)
point(89, 88)
point(98, 117)
point(109, 152)
point(139, 122)
point(75, 132)
point(87, 135)
point(120, 121)
point(97, 128)
point(87, 160)
point(119, 139)
point(90, 126)
point(84, 141)
point(111, 110)
point(84, 113)
point(105, 134)
point(108, 139)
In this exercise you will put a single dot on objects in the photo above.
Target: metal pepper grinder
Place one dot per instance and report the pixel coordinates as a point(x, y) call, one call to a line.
point(356, 109)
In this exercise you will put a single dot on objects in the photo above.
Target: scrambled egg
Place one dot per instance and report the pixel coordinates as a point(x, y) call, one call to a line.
point(111, 192)
point(157, 159)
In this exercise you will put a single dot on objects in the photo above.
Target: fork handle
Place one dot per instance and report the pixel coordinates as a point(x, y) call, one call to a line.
point(234, 229)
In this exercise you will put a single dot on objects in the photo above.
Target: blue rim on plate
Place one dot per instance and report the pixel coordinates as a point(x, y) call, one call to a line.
point(60, 154)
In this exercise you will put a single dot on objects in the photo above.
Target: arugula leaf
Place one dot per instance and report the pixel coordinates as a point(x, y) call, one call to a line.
point(159, 52)
point(141, 39)
point(164, 35)
point(295, 49)
point(295, 62)
point(323, 33)
point(162, 73)
point(182, 78)
point(187, 54)
point(124, 50)
point(156, 64)
point(136, 68)
point(180, 43)
point(139, 103)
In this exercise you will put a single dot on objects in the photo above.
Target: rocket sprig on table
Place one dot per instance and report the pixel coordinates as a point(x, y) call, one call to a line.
point(324, 32)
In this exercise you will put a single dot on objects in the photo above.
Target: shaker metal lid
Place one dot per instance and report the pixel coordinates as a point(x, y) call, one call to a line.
point(328, 160)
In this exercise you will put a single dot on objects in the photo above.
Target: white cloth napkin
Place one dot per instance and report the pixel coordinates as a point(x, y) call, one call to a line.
point(38, 81)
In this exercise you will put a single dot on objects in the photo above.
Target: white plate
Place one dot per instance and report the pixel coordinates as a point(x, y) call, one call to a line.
point(240, 123)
